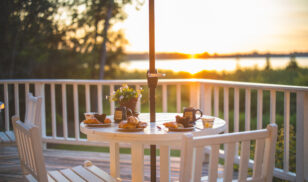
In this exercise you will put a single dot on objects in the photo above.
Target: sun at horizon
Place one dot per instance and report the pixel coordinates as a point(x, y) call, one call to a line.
point(220, 26)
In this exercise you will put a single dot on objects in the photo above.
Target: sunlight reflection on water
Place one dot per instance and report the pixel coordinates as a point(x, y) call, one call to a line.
point(219, 64)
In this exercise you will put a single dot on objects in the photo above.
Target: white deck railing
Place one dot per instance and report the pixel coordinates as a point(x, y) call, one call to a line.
point(66, 100)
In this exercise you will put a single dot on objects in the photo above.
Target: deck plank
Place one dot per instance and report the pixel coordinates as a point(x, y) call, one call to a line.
point(61, 159)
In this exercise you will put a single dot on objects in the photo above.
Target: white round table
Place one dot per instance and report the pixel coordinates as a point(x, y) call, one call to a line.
point(153, 134)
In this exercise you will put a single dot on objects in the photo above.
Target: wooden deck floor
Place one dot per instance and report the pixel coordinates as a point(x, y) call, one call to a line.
point(59, 159)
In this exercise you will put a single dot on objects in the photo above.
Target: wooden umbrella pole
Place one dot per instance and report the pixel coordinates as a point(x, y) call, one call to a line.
point(152, 82)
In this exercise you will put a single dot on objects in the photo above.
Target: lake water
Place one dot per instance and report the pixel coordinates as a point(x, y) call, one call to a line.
point(218, 64)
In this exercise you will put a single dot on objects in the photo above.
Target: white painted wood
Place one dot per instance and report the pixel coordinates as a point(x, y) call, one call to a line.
point(64, 111)
point(213, 165)
point(71, 175)
point(10, 135)
point(138, 106)
point(286, 131)
point(259, 108)
point(58, 176)
point(165, 100)
point(269, 154)
point(301, 136)
point(28, 139)
point(194, 93)
point(33, 110)
point(100, 173)
point(100, 99)
point(265, 157)
point(4, 138)
point(178, 99)
point(27, 90)
point(7, 107)
point(76, 111)
point(236, 115)
point(245, 154)
point(111, 91)
point(40, 92)
point(164, 163)
point(197, 164)
point(114, 159)
point(216, 101)
point(85, 174)
point(228, 166)
point(137, 162)
point(186, 158)
point(53, 111)
point(258, 158)
point(273, 106)
point(87, 95)
point(226, 108)
point(247, 108)
point(16, 98)
point(208, 100)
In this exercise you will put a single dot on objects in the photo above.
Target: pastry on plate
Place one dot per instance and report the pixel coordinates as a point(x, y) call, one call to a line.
point(92, 121)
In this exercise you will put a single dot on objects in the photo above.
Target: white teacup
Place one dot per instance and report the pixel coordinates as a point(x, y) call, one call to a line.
point(208, 122)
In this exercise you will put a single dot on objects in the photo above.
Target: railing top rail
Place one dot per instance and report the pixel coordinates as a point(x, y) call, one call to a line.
point(220, 83)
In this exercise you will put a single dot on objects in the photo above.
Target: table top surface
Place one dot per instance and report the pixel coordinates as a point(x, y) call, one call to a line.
point(154, 130)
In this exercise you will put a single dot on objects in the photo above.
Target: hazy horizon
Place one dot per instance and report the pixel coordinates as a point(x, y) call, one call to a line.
point(220, 26)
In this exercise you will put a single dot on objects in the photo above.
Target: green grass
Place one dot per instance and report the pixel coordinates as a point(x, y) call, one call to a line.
point(173, 153)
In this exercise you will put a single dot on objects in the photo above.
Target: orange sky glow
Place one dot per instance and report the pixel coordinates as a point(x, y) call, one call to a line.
point(222, 26)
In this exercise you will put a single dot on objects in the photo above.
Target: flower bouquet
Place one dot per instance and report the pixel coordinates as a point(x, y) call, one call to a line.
point(126, 96)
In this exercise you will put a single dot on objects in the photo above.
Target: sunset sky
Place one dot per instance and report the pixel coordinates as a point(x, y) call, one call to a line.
point(222, 26)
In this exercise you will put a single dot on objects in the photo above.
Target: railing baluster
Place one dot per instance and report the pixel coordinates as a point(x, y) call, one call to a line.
point(100, 98)
point(7, 106)
point(64, 111)
point(216, 101)
point(273, 106)
point(40, 91)
point(259, 108)
point(301, 136)
point(226, 108)
point(53, 110)
point(26, 94)
point(286, 130)
point(194, 93)
point(236, 114)
point(76, 110)
point(16, 98)
point(165, 101)
point(87, 95)
point(111, 90)
point(178, 98)
point(208, 100)
point(247, 108)
point(138, 106)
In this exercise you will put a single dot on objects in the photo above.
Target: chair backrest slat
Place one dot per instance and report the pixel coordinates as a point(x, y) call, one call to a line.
point(245, 155)
point(228, 168)
point(258, 158)
point(264, 155)
point(33, 110)
point(29, 145)
point(213, 165)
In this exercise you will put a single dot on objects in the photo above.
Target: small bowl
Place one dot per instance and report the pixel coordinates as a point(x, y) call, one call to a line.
point(90, 115)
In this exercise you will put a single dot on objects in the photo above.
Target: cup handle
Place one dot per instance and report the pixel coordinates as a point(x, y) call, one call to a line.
point(200, 113)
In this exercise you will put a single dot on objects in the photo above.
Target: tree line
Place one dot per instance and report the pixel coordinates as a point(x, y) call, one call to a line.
point(61, 38)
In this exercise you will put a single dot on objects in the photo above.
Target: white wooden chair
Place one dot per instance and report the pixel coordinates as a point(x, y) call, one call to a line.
point(264, 155)
point(32, 115)
point(28, 139)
